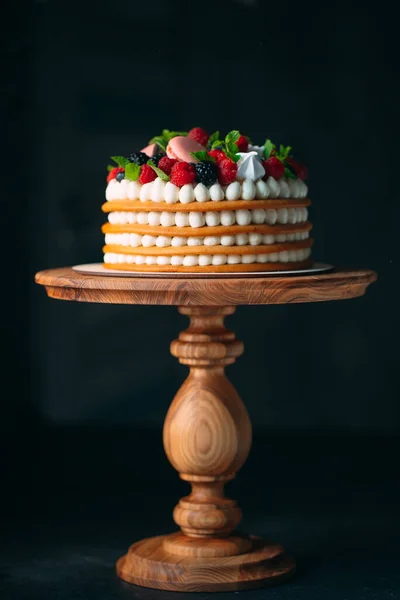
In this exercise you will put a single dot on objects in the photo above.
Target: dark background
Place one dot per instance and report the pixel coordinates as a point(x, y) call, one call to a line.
point(86, 387)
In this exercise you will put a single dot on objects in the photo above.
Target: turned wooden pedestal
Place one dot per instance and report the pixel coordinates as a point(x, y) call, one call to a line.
point(207, 431)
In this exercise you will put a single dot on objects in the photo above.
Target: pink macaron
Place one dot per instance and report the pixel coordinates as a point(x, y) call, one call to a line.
point(181, 147)
point(149, 150)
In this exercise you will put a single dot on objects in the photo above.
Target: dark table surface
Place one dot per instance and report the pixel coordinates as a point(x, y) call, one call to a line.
point(75, 498)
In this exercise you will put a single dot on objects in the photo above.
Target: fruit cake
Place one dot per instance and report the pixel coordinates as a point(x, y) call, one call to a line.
point(194, 202)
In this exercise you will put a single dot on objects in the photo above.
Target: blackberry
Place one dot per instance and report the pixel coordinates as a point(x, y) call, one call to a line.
point(157, 157)
point(120, 176)
point(140, 158)
point(206, 172)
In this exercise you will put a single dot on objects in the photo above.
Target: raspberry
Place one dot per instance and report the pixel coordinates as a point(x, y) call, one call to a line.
point(242, 144)
point(274, 167)
point(198, 134)
point(227, 170)
point(182, 173)
point(300, 170)
point(147, 174)
point(166, 164)
point(114, 172)
point(206, 172)
point(140, 158)
point(217, 155)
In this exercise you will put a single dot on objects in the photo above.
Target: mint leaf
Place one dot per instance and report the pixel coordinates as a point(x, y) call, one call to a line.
point(216, 144)
point(120, 160)
point(132, 171)
point(232, 137)
point(213, 138)
point(110, 168)
point(284, 152)
point(268, 147)
point(160, 141)
point(232, 152)
point(159, 172)
point(289, 173)
point(168, 135)
point(203, 156)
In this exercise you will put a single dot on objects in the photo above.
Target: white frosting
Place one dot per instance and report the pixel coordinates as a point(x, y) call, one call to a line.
point(284, 189)
point(171, 193)
point(233, 191)
point(197, 219)
point(240, 239)
point(186, 194)
point(216, 192)
point(243, 217)
point(201, 193)
point(226, 218)
point(191, 260)
point(159, 191)
point(258, 149)
point(146, 191)
point(274, 187)
point(182, 219)
point(248, 190)
point(250, 166)
point(262, 190)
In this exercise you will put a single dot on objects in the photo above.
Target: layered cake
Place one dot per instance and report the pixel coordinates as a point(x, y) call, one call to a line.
point(194, 202)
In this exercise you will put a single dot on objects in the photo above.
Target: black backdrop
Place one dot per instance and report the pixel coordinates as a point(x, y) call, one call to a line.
point(86, 80)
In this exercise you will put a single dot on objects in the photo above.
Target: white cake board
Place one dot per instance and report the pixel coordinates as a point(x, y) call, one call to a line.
point(99, 269)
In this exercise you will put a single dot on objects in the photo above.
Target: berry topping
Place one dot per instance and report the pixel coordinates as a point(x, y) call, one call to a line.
point(166, 164)
point(198, 134)
point(300, 170)
point(182, 173)
point(157, 157)
point(227, 170)
point(147, 174)
point(140, 158)
point(242, 144)
point(120, 176)
point(206, 172)
point(274, 167)
point(217, 155)
point(114, 172)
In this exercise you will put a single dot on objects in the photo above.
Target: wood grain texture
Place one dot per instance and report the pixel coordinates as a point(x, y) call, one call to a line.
point(341, 284)
point(207, 432)
point(148, 563)
point(207, 438)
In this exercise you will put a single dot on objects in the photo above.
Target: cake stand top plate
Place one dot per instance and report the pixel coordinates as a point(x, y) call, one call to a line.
point(339, 284)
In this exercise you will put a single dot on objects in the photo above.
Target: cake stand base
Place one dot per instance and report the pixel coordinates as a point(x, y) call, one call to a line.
point(150, 563)
point(207, 430)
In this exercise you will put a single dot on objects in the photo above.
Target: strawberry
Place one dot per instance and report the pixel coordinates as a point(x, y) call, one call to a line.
point(198, 134)
point(114, 172)
point(242, 144)
point(147, 174)
point(300, 169)
point(217, 155)
point(274, 167)
point(166, 164)
point(182, 173)
point(227, 170)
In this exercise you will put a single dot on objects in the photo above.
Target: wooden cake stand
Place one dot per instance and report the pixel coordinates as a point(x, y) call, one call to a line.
point(207, 431)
